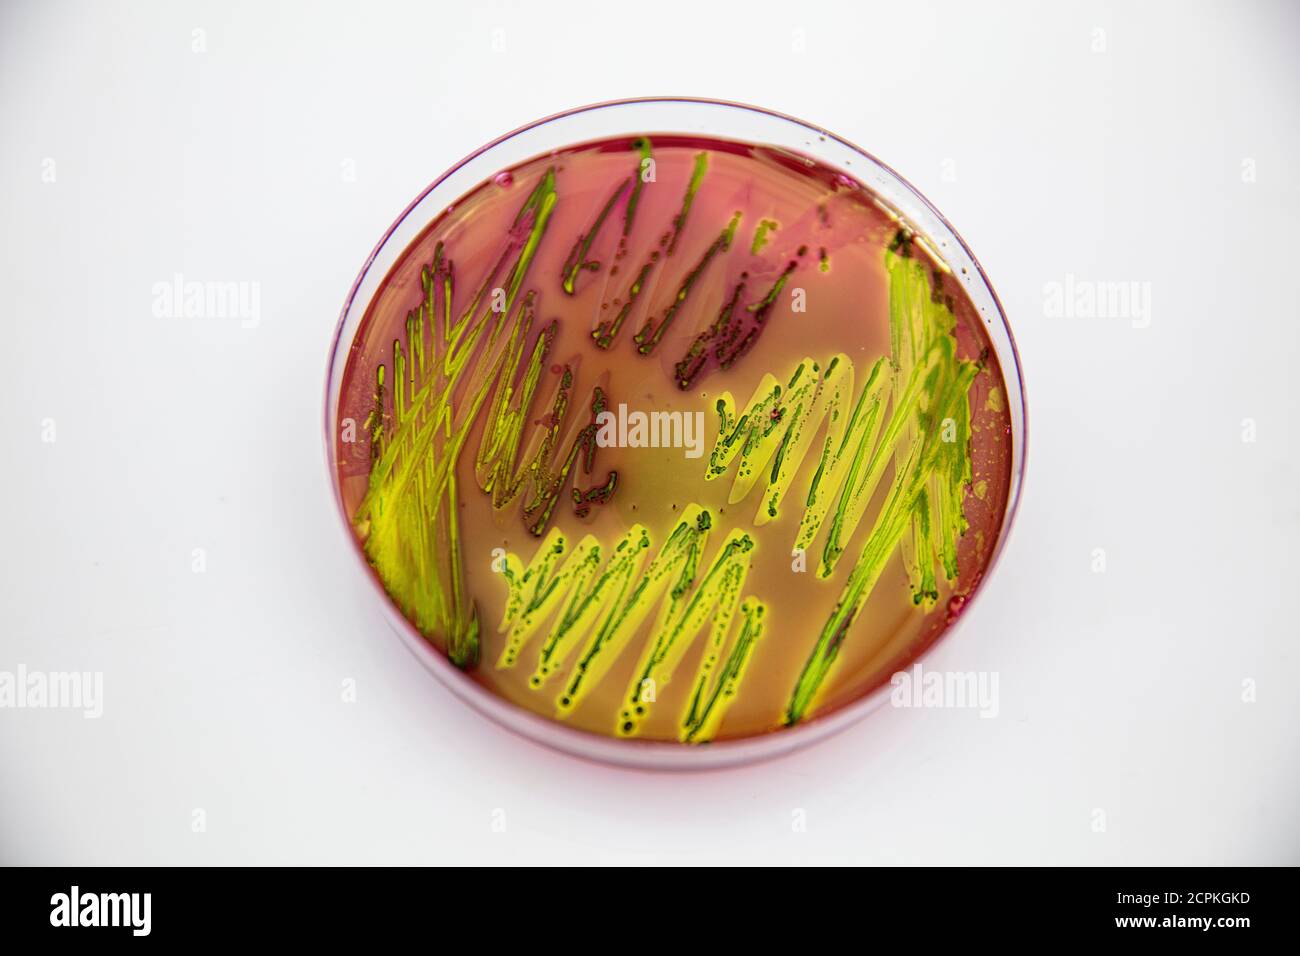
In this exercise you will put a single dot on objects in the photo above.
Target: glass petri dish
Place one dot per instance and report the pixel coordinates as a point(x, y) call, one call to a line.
point(684, 120)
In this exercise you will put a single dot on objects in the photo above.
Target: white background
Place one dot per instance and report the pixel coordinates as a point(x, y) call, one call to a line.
point(1120, 691)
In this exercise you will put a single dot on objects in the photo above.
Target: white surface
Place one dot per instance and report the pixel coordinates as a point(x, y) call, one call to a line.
point(1120, 691)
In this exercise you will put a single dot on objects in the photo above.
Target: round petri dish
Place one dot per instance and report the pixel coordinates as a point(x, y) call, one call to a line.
point(835, 383)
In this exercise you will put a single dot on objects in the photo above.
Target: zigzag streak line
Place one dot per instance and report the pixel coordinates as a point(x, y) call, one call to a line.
point(598, 599)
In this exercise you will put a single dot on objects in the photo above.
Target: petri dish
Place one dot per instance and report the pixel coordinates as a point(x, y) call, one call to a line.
point(666, 431)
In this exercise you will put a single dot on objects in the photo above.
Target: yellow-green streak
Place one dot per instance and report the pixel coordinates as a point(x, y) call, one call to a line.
point(440, 382)
point(919, 462)
point(597, 600)
point(760, 235)
point(912, 413)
